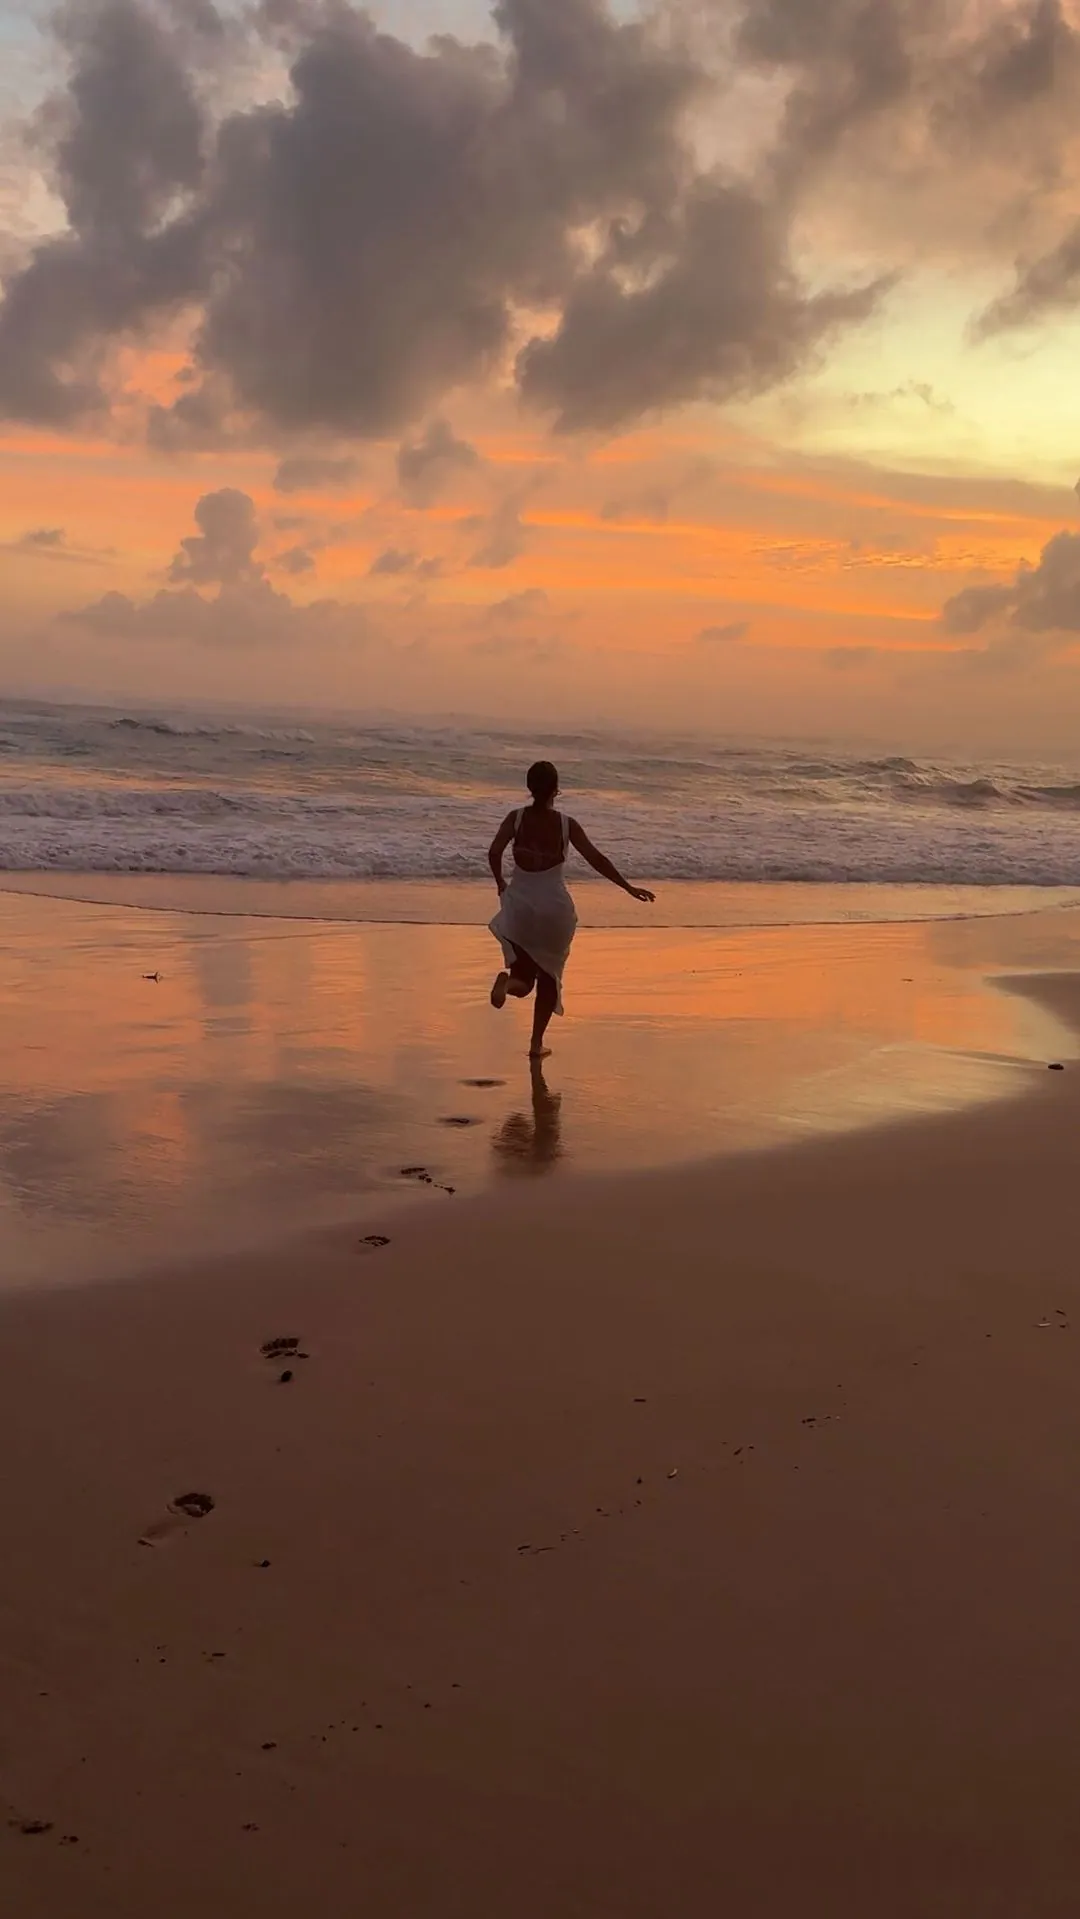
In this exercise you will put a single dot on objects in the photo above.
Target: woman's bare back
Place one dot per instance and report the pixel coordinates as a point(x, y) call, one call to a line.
point(539, 840)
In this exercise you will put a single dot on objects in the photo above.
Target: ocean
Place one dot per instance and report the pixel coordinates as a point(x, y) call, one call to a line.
point(96, 791)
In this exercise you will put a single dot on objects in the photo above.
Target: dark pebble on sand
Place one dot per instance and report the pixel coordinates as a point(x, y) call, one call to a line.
point(376, 1240)
point(1055, 1069)
point(286, 1378)
point(270, 1745)
point(457, 1119)
point(32, 1828)
point(194, 1505)
point(263, 1566)
point(483, 1085)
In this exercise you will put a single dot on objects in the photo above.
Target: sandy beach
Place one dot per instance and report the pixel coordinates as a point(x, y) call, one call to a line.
point(675, 1543)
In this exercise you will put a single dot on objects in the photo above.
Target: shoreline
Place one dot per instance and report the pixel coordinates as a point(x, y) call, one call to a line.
point(700, 1544)
point(683, 904)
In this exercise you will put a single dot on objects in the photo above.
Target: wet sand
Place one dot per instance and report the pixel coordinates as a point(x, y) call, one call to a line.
point(621, 1548)
point(178, 1084)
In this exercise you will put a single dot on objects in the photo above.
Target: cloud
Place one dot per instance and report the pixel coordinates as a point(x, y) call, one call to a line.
point(246, 610)
point(223, 550)
point(395, 563)
point(1049, 284)
point(425, 465)
point(1040, 599)
point(728, 635)
point(51, 543)
point(505, 536)
point(520, 606)
point(44, 538)
point(296, 560)
point(248, 614)
point(850, 60)
point(381, 231)
point(389, 225)
point(126, 145)
point(315, 473)
point(524, 650)
point(919, 390)
point(724, 317)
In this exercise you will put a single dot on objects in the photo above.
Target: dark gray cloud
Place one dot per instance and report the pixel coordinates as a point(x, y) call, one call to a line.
point(1040, 599)
point(125, 150)
point(1049, 284)
point(725, 317)
point(315, 473)
point(380, 233)
point(223, 550)
point(426, 464)
point(359, 248)
point(848, 60)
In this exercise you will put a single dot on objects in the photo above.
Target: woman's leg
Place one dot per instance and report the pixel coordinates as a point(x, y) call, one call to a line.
point(518, 982)
point(547, 998)
point(523, 975)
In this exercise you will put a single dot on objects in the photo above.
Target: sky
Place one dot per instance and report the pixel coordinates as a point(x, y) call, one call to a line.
point(708, 364)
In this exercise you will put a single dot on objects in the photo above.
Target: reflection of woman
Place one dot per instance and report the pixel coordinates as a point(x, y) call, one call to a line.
point(526, 1146)
point(536, 921)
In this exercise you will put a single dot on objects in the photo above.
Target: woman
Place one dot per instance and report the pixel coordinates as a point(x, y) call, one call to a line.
point(536, 922)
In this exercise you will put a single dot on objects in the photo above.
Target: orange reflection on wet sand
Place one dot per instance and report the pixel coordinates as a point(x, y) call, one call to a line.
point(284, 1073)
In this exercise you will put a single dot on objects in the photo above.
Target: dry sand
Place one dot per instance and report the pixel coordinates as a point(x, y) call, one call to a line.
point(696, 1544)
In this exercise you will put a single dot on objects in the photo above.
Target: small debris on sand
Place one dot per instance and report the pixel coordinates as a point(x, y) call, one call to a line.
point(287, 1377)
point(193, 1505)
point(374, 1241)
point(278, 1348)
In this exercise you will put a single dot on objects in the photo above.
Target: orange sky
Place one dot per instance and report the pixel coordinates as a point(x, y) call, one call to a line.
point(773, 564)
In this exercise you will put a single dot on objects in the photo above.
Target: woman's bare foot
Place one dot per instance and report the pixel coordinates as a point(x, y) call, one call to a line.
point(500, 989)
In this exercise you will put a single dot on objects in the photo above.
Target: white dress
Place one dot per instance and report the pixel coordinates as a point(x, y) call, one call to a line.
point(536, 914)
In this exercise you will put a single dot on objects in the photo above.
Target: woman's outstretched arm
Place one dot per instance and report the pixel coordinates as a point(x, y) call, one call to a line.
point(498, 847)
point(601, 864)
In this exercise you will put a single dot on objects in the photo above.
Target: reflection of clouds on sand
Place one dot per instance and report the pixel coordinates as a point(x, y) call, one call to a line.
point(279, 1072)
point(49, 1152)
point(531, 1142)
point(223, 972)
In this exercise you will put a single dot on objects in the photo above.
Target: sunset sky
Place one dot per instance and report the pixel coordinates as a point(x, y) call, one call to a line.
point(707, 365)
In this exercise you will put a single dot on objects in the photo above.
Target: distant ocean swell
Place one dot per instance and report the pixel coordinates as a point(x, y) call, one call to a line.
point(85, 790)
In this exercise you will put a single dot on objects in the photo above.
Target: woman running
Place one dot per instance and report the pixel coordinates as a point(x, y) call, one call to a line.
point(536, 921)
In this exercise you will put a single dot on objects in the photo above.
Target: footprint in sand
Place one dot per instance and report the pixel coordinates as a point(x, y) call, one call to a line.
point(179, 1515)
point(421, 1174)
